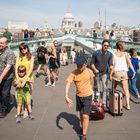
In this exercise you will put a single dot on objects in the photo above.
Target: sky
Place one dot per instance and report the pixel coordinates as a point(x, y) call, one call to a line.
point(36, 12)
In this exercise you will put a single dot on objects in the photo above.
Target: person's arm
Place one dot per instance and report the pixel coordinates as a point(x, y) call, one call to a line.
point(130, 64)
point(139, 65)
point(67, 99)
point(47, 58)
point(93, 64)
point(5, 71)
point(16, 68)
point(111, 70)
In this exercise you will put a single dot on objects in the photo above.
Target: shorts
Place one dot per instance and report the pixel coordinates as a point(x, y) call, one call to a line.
point(83, 104)
point(120, 75)
point(42, 61)
point(23, 95)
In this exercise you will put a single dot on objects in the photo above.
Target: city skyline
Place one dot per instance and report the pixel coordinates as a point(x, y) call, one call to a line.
point(35, 12)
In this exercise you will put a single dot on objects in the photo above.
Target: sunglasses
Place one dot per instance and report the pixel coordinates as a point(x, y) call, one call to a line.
point(106, 45)
point(22, 71)
point(23, 48)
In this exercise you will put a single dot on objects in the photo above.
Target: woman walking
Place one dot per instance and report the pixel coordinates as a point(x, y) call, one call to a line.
point(121, 62)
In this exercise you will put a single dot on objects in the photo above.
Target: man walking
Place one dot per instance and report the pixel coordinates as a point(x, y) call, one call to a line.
point(7, 60)
point(101, 62)
point(83, 79)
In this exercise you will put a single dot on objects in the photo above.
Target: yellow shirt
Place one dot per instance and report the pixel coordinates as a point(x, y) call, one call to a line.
point(82, 81)
point(26, 63)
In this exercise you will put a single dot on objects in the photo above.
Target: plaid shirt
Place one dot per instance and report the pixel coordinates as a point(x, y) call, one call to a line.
point(7, 56)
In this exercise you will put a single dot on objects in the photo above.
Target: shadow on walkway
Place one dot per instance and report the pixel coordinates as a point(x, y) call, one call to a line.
point(71, 119)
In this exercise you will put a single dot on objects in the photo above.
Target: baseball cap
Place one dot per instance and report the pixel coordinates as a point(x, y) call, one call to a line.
point(80, 60)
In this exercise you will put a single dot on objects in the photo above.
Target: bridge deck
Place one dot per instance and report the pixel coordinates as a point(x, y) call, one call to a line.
point(54, 120)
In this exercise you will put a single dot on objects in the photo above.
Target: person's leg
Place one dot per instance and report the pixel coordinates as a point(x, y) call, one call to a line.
point(104, 84)
point(38, 70)
point(45, 69)
point(98, 87)
point(85, 112)
point(28, 105)
point(85, 123)
point(126, 92)
point(54, 77)
point(49, 77)
point(19, 109)
point(133, 86)
point(6, 87)
point(19, 106)
point(18, 113)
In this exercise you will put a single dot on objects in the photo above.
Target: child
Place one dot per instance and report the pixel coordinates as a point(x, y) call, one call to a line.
point(23, 93)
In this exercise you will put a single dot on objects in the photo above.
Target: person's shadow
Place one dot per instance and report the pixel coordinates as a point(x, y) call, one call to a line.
point(71, 119)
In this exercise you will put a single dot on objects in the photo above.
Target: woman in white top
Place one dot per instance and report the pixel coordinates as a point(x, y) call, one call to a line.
point(121, 62)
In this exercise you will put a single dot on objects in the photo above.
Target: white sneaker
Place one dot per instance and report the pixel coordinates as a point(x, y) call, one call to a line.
point(48, 84)
point(53, 85)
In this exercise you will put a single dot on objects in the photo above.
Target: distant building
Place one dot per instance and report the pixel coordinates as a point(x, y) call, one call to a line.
point(80, 24)
point(96, 25)
point(75, 25)
point(68, 22)
point(17, 25)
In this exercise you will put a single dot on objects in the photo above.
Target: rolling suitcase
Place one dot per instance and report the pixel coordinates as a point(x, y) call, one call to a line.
point(97, 111)
point(115, 102)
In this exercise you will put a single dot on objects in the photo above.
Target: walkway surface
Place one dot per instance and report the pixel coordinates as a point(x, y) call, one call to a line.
point(55, 121)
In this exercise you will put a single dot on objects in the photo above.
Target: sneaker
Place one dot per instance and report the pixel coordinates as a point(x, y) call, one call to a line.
point(18, 119)
point(128, 107)
point(53, 85)
point(31, 117)
point(48, 84)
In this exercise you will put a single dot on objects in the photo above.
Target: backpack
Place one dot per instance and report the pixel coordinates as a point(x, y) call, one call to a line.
point(40, 53)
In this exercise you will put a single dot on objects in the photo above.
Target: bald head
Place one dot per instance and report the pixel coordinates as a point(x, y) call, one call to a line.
point(3, 42)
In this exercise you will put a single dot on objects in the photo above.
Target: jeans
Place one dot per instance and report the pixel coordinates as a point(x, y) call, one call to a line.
point(132, 86)
point(5, 88)
point(102, 85)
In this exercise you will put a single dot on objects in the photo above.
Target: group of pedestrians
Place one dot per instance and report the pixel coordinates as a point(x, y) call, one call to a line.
point(49, 58)
point(104, 64)
point(107, 66)
point(17, 72)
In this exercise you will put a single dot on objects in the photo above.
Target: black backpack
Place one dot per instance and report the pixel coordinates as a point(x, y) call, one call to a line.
point(40, 53)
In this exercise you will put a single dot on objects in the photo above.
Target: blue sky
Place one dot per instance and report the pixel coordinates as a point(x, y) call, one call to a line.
point(35, 12)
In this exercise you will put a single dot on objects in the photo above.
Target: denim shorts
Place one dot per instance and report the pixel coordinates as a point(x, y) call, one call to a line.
point(83, 104)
